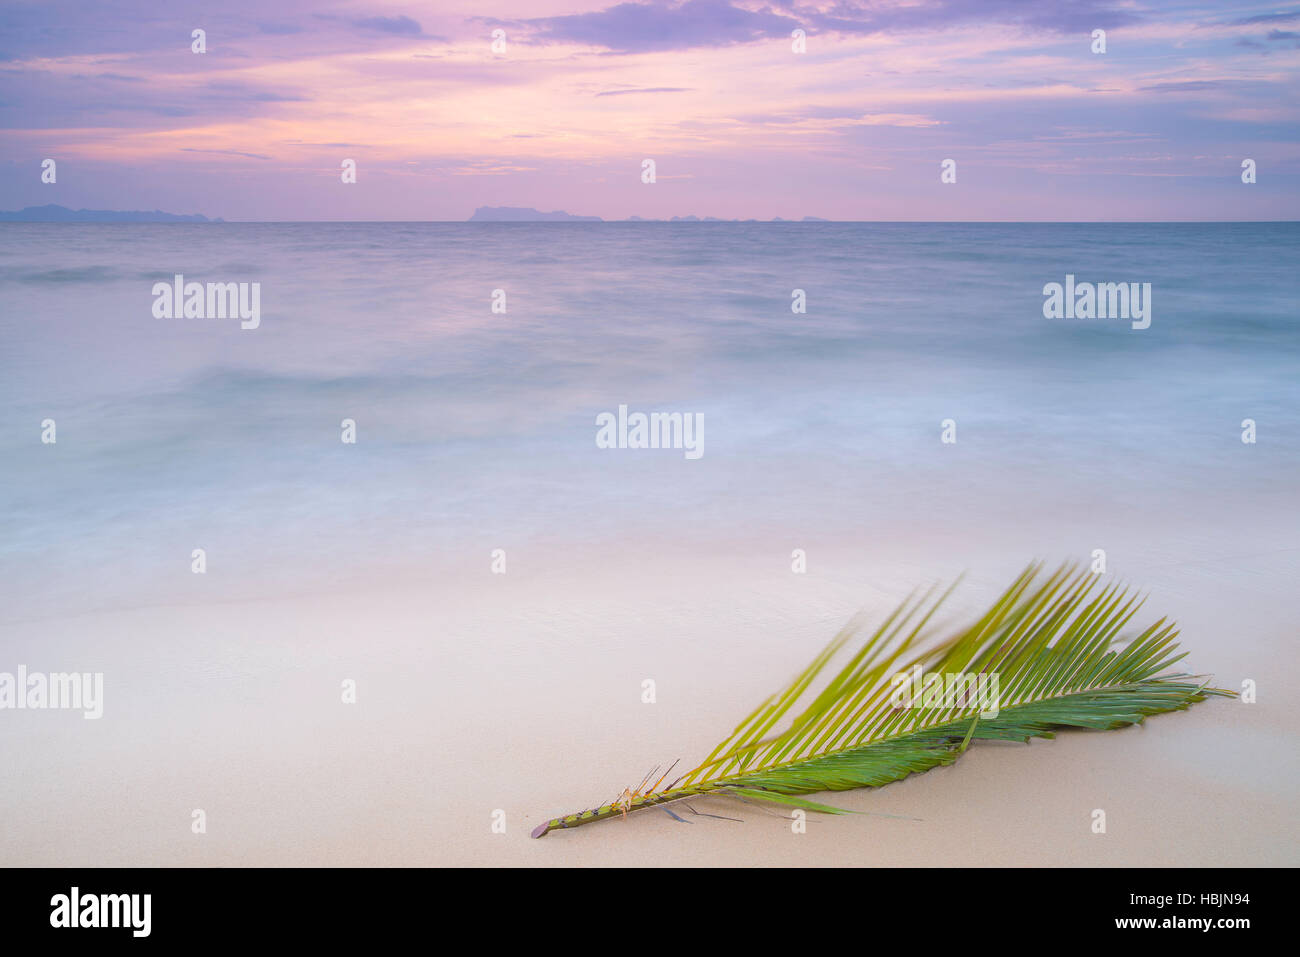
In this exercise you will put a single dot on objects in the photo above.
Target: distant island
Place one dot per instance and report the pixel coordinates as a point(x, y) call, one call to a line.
point(61, 214)
point(484, 214)
point(525, 214)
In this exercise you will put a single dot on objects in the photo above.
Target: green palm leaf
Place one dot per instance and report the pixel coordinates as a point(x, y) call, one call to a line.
point(1049, 650)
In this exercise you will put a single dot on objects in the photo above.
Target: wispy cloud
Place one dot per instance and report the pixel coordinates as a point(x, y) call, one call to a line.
point(256, 156)
point(1266, 18)
point(660, 25)
point(401, 26)
point(647, 89)
point(687, 24)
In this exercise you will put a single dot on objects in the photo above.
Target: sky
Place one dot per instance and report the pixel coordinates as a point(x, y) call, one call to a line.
point(739, 124)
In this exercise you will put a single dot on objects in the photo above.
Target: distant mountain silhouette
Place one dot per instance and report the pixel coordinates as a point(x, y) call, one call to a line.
point(61, 214)
point(525, 214)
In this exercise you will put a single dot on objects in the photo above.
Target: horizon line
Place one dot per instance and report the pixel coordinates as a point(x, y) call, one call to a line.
point(698, 221)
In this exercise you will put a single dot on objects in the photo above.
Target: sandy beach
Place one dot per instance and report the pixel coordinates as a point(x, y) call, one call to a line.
point(522, 693)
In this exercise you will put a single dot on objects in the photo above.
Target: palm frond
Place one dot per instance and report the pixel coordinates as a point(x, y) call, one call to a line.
point(1049, 648)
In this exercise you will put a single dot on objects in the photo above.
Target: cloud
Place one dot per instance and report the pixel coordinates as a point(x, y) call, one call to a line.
point(648, 27)
point(683, 24)
point(834, 119)
point(278, 29)
point(256, 156)
point(648, 89)
point(1050, 16)
point(1186, 86)
point(1265, 18)
point(401, 26)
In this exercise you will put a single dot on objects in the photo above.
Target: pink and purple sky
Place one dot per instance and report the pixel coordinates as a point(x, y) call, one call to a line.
point(739, 125)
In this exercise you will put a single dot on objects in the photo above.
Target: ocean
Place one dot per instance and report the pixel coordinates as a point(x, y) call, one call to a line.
point(922, 396)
